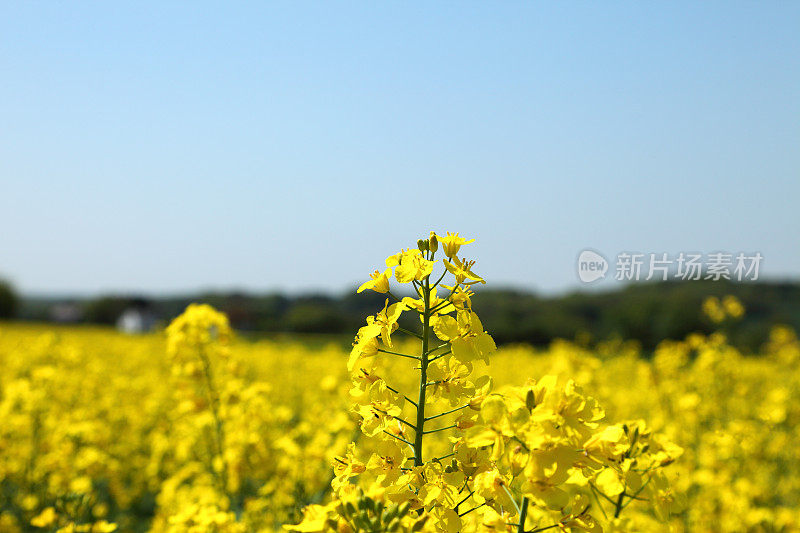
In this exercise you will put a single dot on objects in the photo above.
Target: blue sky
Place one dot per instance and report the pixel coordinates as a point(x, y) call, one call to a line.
point(176, 146)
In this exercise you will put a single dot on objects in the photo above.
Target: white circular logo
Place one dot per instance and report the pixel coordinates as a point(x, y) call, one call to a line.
point(591, 266)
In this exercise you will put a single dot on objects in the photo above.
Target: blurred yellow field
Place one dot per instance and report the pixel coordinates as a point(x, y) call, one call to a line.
point(99, 428)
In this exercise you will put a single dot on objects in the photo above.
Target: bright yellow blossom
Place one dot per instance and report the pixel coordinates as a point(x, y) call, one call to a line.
point(451, 243)
point(462, 270)
point(378, 283)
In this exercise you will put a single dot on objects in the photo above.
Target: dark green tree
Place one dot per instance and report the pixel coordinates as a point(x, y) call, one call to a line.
point(8, 301)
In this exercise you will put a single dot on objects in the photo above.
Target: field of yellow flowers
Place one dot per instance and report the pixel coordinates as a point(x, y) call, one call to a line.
point(194, 429)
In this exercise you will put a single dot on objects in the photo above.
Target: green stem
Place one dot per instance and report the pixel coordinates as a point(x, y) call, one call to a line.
point(441, 305)
point(446, 413)
point(409, 400)
point(601, 493)
point(440, 429)
point(439, 356)
point(511, 497)
point(409, 424)
point(467, 497)
point(423, 373)
point(599, 504)
point(407, 332)
point(618, 508)
point(446, 301)
point(521, 443)
point(401, 439)
point(473, 509)
point(523, 514)
point(440, 278)
point(632, 498)
point(213, 400)
point(398, 354)
point(538, 529)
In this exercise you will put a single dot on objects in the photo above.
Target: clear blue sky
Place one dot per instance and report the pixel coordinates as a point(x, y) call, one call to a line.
point(292, 145)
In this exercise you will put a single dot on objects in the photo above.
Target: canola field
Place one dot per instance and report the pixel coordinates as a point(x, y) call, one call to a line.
point(193, 429)
point(98, 428)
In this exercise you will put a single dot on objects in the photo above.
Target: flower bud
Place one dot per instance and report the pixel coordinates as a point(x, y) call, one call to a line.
point(434, 242)
point(422, 245)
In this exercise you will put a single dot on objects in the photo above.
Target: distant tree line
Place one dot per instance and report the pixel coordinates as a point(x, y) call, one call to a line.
point(9, 302)
point(647, 313)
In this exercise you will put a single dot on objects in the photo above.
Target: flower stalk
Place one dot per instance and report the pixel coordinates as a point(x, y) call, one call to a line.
point(423, 372)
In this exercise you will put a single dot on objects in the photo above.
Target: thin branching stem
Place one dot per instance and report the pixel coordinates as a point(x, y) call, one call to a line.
point(440, 279)
point(401, 439)
point(408, 332)
point(521, 443)
point(446, 300)
point(417, 290)
point(470, 510)
point(511, 497)
point(406, 422)
point(618, 504)
point(538, 529)
point(399, 354)
point(434, 417)
point(594, 493)
point(439, 429)
point(635, 494)
point(409, 400)
point(468, 496)
point(443, 345)
point(441, 306)
point(601, 493)
point(440, 356)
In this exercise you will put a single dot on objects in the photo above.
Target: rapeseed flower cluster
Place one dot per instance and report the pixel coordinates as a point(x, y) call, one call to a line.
point(525, 459)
